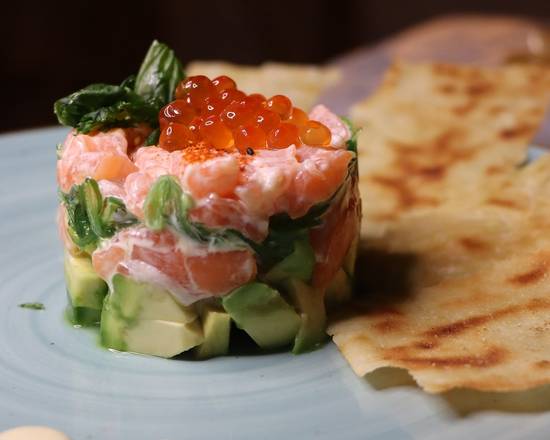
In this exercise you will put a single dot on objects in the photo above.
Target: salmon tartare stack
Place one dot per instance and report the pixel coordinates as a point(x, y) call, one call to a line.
point(191, 210)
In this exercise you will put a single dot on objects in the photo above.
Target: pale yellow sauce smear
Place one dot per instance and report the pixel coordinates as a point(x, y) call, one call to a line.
point(32, 433)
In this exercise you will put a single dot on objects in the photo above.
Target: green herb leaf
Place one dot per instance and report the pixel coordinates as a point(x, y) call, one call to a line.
point(79, 228)
point(153, 138)
point(166, 204)
point(159, 74)
point(104, 106)
point(137, 100)
point(33, 306)
point(284, 231)
point(351, 144)
point(90, 217)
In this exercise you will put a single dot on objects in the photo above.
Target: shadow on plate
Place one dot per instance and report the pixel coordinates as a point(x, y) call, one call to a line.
point(240, 345)
point(384, 280)
point(465, 402)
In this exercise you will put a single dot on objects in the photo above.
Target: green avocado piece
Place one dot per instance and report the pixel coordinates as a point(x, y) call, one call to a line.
point(310, 302)
point(83, 316)
point(111, 330)
point(85, 289)
point(299, 264)
point(143, 318)
point(339, 289)
point(142, 301)
point(216, 326)
point(163, 338)
point(261, 312)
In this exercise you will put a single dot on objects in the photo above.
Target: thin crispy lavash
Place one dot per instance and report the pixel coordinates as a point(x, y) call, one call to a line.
point(454, 278)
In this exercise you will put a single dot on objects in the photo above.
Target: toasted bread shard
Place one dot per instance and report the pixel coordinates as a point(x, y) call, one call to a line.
point(455, 266)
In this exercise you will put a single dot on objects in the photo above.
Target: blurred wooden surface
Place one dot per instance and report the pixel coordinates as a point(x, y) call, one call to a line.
point(470, 39)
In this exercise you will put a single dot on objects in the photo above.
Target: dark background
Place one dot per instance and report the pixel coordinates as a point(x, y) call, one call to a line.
point(53, 48)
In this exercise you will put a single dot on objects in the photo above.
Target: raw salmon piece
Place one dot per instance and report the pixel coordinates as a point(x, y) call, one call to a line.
point(111, 189)
point(153, 161)
point(219, 176)
point(322, 171)
point(266, 181)
point(136, 188)
point(220, 272)
point(100, 156)
point(218, 212)
point(190, 272)
point(331, 241)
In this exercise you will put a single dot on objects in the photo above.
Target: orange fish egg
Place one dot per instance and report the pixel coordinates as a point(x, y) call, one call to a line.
point(223, 82)
point(216, 133)
point(284, 135)
point(195, 89)
point(315, 134)
point(281, 105)
point(249, 136)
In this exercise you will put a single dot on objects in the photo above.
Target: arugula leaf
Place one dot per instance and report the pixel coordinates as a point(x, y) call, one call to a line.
point(351, 144)
point(136, 100)
point(159, 74)
point(90, 217)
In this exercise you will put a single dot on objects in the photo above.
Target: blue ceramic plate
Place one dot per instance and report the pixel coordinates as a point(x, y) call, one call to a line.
point(54, 375)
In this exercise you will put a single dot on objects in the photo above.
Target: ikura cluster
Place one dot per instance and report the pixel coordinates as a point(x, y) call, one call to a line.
point(218, 114)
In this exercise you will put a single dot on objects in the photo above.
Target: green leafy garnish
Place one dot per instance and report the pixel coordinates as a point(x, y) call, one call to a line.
point(167, 204)
point(104, 106)
point(33, 306)
point(351, 144)
point(90, 217)
point(285, 231)
point(153, 138)
point(136, 100)
point(159, 74)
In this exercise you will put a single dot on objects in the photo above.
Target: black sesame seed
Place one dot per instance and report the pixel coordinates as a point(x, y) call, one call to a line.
point(250, 151)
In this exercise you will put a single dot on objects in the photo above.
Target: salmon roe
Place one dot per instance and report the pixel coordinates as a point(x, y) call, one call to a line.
point(217, 115)
point(316, 134)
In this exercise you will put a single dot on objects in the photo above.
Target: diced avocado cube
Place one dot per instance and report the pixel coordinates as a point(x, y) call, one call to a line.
point(84, 286)
point(139, 301)
point(112, 328)
point(163, 338)
point(310, 302)
point(83, 316)
point(153, 337)
point(146, 319)
point(339, 289)
point(85, 290)
point(261, 312)
point(299, 264)
point(216, 326)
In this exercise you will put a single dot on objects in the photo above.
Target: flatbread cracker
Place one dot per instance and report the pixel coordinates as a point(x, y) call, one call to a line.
point(455, 270)
point(302, 83)
point(436, 133)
